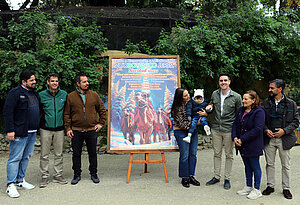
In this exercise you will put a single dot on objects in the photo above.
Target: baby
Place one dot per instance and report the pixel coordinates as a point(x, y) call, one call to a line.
point(193, 106)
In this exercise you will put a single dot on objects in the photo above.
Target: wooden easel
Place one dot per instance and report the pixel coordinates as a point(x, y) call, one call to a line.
point(147, 161)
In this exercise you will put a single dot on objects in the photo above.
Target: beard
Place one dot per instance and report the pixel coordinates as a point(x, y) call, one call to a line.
point(32, 87)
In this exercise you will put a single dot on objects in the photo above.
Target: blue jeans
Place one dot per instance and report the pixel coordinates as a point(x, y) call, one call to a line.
point(20, 151)
point(194, 123)
point(252, 166)
point(188, 153)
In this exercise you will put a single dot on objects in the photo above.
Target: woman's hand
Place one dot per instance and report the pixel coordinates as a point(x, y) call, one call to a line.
point(237, 141)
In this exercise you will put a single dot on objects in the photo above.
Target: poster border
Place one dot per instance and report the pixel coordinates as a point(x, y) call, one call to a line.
point(109, 103)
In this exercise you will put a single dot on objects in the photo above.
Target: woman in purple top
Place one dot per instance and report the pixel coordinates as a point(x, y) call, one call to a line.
point(247, 134)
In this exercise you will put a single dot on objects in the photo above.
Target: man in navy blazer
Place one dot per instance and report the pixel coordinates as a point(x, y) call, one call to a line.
point(282, 118)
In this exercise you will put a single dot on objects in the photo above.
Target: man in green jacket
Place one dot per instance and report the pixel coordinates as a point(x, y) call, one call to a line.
point(225, 104)
point(84, 116)
point(52, 101)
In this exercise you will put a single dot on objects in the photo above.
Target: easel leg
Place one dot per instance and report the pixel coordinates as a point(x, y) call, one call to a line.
point(146, 163)
point(129, 167)
point(165, 166)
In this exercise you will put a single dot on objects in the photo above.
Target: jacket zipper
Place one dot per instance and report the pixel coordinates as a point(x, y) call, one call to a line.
point(54, 112)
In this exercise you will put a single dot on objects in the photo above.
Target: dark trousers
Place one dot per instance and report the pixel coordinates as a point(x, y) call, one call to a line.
point(90, 139)
point(252, 167)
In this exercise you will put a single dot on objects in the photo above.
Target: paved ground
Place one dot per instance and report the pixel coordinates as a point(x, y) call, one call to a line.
point(147, 188)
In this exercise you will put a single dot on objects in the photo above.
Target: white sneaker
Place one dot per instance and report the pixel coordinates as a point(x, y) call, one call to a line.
point(187, 139)
point(12, 191)
point(254, 194)
point(207, 130)
point(25, 185)
point(245, 191)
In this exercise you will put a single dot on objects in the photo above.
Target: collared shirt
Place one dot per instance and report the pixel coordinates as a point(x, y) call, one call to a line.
point(222, 99)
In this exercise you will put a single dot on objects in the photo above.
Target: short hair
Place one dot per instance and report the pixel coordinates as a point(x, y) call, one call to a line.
point(25, 75)
point(279, 83)
point(224, 74)
point(253, 95)
point(52, 75)
point(77, 77)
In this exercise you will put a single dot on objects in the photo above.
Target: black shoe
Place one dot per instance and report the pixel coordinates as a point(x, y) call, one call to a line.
point(194, 181)
point(287, 194)
point(268, 191)
point(95, 178)
point(214, 180)
point(75, 180)
point(185, 182)
point(227, 184)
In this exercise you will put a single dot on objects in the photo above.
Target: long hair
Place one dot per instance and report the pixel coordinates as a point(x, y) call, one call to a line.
point(253, 95)
point(178, 99)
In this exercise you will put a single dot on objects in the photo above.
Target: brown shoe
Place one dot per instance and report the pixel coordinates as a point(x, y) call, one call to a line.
point(268, 191)
point(287, 194)
point(59, 180)
point(44, 182)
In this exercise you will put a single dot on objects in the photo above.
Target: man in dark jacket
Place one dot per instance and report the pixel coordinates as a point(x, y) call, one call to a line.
point(21, 115)
point(52, 102)
point(84, 116)
point(282, 118)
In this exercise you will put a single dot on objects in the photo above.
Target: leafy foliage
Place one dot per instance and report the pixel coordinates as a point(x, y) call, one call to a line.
point(63, 44)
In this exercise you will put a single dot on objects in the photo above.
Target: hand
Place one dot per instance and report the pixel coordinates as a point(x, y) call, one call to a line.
point(98, 127)
point(11, 136)
point(209, 108)
point(269, 133)
point(279, 132)
point(202, 113)
point(70, 134)
point(237, 141)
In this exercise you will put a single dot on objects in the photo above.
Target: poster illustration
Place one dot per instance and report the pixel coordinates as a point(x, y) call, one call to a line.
point(141, 92)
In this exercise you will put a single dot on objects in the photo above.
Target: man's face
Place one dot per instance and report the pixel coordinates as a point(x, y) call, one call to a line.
point(53, 83)
point(273, 90)
point(30, 83)
point(224, 82)
point(84, 83)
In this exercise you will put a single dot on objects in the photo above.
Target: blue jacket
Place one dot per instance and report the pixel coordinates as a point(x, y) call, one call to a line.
point(250, 131)
point(192, 107)
point(15, 112)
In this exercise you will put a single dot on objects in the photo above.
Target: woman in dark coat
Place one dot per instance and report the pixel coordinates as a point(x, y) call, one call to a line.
point(247, 134)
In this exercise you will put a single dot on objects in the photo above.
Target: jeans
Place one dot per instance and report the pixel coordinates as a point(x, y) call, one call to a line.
point(252, 166)
point(188, 153)
point(90, 139)
point(20, 151)
point(57, 139)
point(194, 123)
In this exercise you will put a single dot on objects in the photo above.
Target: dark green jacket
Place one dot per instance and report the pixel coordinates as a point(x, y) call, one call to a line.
point(52, 109)
point(232, 103)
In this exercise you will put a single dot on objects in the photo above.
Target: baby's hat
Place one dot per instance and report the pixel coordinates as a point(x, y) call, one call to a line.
point(198, 92)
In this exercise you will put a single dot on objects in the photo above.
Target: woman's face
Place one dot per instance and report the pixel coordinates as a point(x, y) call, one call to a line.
point(247, 101)
point(186, 96)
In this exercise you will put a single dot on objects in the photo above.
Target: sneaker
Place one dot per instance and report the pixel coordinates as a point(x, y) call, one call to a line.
point(60, 180)
point(12, 191)
point(75, 180)
point(44, 182)
point(214, 180)
point(245, 191)
point(227, 184)
point(95, 178)
point(187, 139)
point(25, 185)
point(254, 194)
point(207, 130)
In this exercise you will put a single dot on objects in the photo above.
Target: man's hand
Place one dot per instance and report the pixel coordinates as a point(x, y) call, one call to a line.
point(270, 134)
point(98, 127)
point(70, 134)
point(11, 136)
point(209, 108)
point(279, 132)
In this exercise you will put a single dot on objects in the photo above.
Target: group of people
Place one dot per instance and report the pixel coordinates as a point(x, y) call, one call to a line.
point(240, 121)
point(252, 127)
point(81, 113)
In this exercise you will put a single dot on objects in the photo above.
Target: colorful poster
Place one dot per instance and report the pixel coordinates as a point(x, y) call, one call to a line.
point(141, 92)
